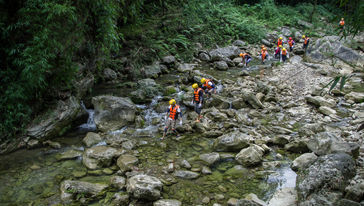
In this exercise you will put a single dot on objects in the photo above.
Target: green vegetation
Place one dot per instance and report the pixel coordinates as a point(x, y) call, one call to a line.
point(43, 42)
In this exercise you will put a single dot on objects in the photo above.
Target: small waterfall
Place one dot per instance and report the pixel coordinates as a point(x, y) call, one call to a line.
point(90, 124)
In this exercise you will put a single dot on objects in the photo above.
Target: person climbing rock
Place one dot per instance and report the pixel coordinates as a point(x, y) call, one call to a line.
point(208, 86)
point(291, 44)
point(246, 58)
point(171, 117)
point(306, 42)
point(197, 100)
point(264, 54)
point(277, 53)
point(284, 55)
point(280, 41)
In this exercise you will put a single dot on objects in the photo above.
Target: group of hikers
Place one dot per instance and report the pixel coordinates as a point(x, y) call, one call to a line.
point(208, 87)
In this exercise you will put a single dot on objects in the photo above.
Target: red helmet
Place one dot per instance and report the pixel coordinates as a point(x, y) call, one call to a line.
point(290, 38)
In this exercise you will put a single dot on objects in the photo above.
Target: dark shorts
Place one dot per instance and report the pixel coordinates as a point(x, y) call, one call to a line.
point(197, 108)
point(284, 57)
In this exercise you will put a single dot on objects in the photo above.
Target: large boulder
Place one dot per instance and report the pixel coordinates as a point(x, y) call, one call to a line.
point(297, 146)
point(170, 61)
point(303, 161)
point(325, 180)
point(110, 74)
point(153, 71)
point(51, 124)
point(99, 156)
point(71, 189)
point(221, 65)
point(144, 187)
point(250, 156)
point(204, 56)
point(126, 161)
point(218, 102)
point(167, 202)
point(226, 52)
point(112, 113)
point(231, 142)
point(91, 139)
point(147, 89)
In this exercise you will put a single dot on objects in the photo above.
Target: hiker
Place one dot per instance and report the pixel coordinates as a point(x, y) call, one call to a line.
point(306, 42)
point(208, 86)
point(262, 48)
point(291, 44)
point(342, 23)
point(277, 53)
point(284, 55)
point(197, 100)
point(246, 58)
point(264, 54)
point(171, 117)
point(280, 41)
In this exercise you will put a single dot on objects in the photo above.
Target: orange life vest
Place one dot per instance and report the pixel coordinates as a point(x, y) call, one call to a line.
point(290, 42)
point(196, 94)
point(207, 84)
point(284, 52)
point(342, 23)
point(280, 41)
point(173, 111)
point(264, 54)
point(306, 40)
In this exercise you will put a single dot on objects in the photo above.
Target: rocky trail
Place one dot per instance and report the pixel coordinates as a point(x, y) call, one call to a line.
point(273, 141)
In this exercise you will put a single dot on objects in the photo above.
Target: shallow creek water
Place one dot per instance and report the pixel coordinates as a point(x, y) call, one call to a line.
point(33, 177)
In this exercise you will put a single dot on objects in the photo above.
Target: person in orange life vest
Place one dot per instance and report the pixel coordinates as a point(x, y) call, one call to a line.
point(262, 48)
point(342, 23)
point(264, 54)
point(284, 55)
point(280, 41)
point(306, 42)
point(171, 117)
point(197, 100)
point(246, 58)
point(291, 44)
point(277, 53)
point(208, 86)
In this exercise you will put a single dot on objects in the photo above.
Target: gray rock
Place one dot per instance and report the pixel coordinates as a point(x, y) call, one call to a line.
point(239, 43)
point(328, 174)
point(167, 202)
point(186, 174)
point(346, 202)
point(144, 187)
point(110, 74)
point(126, 161)
point(120, 199)
point(231, 142)
point(281, 140)
point(252, 100)
point(284, 197)
point(238, 103)
point(206, 170)
point(221, 65)
point(210, 158)
point(129, 144)
point(70, 189)
point(218, 102)
point(303, 161)
point(250, 156)
point(52, 123)
point(112, 113)
point(52, 144)
point(355, 96)
point(186, 67)
point(295, 59)
point(244, 202)
point(216, 115)
point(153, 71)
point(286, 32)
point(99, 156)
point(304, 24)
point(297, 146)
point(232, 202)
point(327, 111)
point(82, 86)
point(267, 43)
point(147, 89)
point(226, 52)
point(118, 182)
point(169, 60)
point(254, 198)
point(204, 56)
point(320, 101)
point(355, 192)
point(70, 154)
point(186, 164)
point(91, 139)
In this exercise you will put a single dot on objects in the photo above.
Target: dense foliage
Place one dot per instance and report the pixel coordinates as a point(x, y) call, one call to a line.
point(43, 41)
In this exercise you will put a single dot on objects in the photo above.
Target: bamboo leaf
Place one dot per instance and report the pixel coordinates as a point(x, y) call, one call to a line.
point(343, 81)
point(336, 80)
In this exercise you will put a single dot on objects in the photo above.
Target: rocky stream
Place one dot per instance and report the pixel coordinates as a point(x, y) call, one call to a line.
point(277, 139)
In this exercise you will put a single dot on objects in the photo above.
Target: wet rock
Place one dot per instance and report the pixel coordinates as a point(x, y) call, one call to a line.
point(303, 161)
point(129, 144)
point(167, 202)
point(120, 199)
point(233, 141)
point(112, 113)
point(70, 154)
point(226, 52)
point(126, 161)
point(186, 67)
point(206, 170)
point(326, 177)
point(118, 182)
point(91, 139)
point(144, 187)
point(250, 156)
point(297, 146)
point(186, 164)
point(186, 174)
point(284, 197)
point(221, 65)
point(52, 123)
point(110, 74)
point(99, 156)
point(70, 190)
point(355, 96)
point(320, 101)
point(210, 158)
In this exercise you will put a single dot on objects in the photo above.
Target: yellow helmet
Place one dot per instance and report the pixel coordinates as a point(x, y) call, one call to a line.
point(303, 36)
point(172, 102)
point(203, 80)
point(195, 85)
point(280, 46)
point(284, 49)
point(280, 37)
